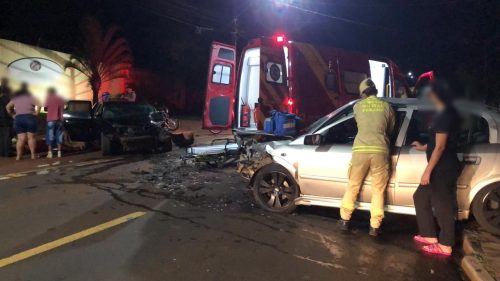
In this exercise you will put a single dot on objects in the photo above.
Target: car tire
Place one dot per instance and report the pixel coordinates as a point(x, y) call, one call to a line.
point(275, 190)
point(486, 208)
point(107, 145)
point(168, 145)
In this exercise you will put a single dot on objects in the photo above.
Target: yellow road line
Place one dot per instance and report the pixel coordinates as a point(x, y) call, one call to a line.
point(68, 239)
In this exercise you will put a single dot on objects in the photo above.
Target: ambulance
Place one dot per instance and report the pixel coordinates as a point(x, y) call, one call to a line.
point(300, 78)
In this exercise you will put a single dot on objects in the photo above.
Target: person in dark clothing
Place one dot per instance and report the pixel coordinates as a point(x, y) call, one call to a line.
point(5, 119)
point(437, 189)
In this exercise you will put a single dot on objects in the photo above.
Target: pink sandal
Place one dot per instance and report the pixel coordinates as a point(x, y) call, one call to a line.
point(421, 240)
point(434, 249)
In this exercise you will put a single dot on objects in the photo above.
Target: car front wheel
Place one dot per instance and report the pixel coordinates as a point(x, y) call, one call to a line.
point(275, 190)
point(108, 146)
point(486, 208)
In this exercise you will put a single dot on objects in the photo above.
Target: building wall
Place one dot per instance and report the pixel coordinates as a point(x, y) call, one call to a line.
point(41, 68)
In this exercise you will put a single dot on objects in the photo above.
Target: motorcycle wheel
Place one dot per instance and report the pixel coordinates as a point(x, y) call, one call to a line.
point(172, 124)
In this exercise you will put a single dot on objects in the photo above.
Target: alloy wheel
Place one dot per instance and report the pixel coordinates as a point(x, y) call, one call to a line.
point(276, 190)
point(491, 207)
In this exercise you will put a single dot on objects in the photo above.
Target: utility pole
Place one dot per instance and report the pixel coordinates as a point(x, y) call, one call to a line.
point(235, 32)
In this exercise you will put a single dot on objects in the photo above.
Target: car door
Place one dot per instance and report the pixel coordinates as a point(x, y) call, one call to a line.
point(474, 153)
point(323, 169)
point(411, 162)
point(78, 120)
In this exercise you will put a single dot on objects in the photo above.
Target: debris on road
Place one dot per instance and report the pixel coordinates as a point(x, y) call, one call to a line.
point(196, 184)
point(482, 255)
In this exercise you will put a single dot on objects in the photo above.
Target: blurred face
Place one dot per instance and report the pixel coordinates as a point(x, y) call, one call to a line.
point(433, 98)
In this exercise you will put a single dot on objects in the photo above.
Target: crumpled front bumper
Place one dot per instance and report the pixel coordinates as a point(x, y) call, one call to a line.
point(137, 142)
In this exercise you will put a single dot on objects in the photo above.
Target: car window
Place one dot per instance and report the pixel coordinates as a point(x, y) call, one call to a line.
point(127, 110)
point(78, 106)
point(345, 131)
point(418, 129)
point(348, 111)
point(474, 129)
point(342, 133)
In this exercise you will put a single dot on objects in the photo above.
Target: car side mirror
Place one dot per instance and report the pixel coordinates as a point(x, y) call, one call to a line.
point(316, 139)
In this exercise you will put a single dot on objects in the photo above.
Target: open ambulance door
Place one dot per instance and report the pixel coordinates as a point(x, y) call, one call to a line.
point(273, 86)
point(220, 92)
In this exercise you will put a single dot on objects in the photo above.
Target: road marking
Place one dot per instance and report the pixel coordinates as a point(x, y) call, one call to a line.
point(68, 239)
point(87, 163)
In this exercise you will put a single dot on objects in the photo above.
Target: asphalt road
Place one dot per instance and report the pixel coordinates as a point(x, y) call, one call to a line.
point(198, 224)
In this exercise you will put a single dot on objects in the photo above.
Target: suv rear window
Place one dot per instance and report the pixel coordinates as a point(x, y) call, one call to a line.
point(79, 106)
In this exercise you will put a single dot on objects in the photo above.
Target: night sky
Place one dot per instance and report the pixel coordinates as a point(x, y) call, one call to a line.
point(460, 39)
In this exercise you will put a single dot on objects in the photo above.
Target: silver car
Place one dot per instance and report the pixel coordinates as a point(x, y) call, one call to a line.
point(312, 169)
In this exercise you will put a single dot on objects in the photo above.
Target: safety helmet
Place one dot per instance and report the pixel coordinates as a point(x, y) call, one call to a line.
point(367, 87)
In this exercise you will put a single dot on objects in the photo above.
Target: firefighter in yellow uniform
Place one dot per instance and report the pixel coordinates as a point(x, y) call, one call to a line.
point(370, 154)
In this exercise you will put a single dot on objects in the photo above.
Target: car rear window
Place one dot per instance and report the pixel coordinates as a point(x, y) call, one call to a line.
point(79, 106)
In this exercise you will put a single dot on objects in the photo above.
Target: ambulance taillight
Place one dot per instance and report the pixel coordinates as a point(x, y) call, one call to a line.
point(280, 38)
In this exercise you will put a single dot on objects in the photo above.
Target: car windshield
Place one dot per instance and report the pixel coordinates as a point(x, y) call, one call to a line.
point(328, 119)
point(126, 110)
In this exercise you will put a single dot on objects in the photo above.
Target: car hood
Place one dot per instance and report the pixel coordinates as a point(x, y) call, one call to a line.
point(129, 121)
point(274, 145)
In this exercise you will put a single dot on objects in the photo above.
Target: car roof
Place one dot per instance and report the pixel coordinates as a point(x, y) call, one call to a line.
point(465, 106)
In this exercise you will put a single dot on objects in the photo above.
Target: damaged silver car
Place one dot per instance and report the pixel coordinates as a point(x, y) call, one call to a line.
point(312, 169)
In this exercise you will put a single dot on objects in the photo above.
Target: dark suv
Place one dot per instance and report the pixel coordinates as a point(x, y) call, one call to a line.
point(118, 126)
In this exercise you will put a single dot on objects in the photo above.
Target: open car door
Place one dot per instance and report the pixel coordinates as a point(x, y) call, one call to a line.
point(218, 111)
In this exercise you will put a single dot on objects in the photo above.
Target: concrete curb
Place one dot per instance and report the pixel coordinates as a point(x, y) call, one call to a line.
point(470, 264)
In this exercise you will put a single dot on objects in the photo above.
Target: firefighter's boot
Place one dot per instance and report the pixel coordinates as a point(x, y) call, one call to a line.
point(344, 225)
point(374, 231)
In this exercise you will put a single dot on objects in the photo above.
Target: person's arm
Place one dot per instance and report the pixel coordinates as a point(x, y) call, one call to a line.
point(419, 146)
point(441, 139)
point(10, 109)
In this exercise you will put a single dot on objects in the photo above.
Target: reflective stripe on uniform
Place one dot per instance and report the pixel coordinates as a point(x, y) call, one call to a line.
point(369, 148)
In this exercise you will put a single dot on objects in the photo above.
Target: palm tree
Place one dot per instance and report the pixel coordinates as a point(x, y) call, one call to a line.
point(106, 56)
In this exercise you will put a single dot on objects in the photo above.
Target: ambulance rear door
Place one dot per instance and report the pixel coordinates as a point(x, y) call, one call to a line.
point(218, 111)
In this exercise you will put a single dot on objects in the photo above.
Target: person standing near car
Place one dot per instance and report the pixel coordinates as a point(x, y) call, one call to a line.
point(438, 185)
point(370, 153)
point(24, 108)
point(54, 105)
point(5, 119)
point(130, 94)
